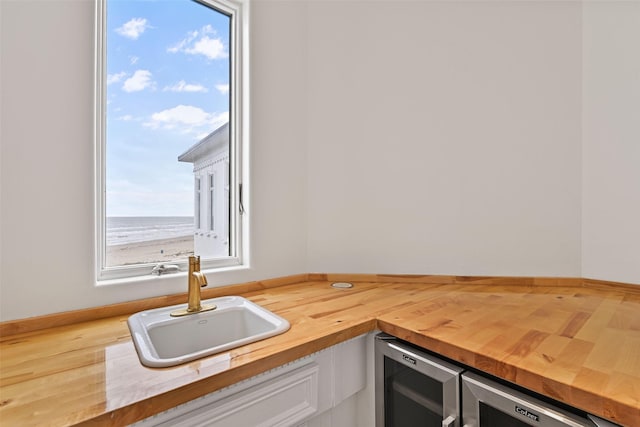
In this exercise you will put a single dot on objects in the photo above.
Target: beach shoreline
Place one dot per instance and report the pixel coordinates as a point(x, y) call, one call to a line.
point(150, 251)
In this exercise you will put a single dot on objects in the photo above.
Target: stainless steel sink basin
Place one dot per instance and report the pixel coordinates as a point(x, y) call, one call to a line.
point(162, 340)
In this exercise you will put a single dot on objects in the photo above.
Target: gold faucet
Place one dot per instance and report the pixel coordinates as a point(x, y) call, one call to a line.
point(197, 280)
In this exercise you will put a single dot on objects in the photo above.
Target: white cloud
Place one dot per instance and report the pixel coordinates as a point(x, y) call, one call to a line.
point(223, 89)
point(198, 42)
point(187, 119)
point(218, 120)
point(211, 48)
point(133, 28)
point(115, 78)
point(125, 118)
point(183, 86)
point(181, 115)
point(182, 43)
point(133, 60)
point(140, 80)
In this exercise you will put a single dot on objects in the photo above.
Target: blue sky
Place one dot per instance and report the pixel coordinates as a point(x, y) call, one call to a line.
point(167, 78)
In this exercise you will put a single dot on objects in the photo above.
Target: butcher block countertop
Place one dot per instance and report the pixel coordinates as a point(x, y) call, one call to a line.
point(569, 339)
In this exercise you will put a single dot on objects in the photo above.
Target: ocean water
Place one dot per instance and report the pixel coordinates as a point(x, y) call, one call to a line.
point(133, 229)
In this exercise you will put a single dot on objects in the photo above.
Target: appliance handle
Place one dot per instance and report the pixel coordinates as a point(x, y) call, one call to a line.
point(448, 422)
point(403, 350)
point(600, 422)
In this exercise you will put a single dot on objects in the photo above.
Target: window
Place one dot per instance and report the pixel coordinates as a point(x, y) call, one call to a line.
point(196, 209)
point(212, 202)
point(171, 133)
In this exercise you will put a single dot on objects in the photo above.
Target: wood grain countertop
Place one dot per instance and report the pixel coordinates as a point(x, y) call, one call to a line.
point(578, 344)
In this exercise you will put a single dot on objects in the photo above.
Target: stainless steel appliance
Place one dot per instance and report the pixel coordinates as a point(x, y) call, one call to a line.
point(414, 388)
point(486, 403)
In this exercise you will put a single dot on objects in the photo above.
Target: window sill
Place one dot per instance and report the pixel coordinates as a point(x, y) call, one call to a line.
point(167, 279)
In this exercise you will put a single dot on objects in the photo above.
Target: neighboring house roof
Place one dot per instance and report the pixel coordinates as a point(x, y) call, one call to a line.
point(217, 139)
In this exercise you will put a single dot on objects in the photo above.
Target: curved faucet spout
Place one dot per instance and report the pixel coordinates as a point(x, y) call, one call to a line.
point(200, 278)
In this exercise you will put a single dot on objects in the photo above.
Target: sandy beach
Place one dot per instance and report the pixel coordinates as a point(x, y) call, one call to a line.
point(150, 251)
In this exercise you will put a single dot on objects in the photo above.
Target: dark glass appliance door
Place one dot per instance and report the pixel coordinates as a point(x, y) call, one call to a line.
point(414, 388)
point(487, 403)
point(413, 399)
point(490, 416)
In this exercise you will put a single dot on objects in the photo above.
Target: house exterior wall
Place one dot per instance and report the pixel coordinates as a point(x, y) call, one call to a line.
point(211, 236)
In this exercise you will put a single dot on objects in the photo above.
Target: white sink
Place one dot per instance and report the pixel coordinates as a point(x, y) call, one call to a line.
point(162, 340)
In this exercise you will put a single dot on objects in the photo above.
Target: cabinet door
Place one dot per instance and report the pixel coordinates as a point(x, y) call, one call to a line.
point(281, 402)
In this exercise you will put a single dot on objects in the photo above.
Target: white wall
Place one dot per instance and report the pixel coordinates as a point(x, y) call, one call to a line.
point(394, 137)
point(611, 135)
point(444, 137)
point(47, 157)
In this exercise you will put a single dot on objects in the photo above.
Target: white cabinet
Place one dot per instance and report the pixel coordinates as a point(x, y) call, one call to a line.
point(282, 401)
point(353, 387)
point(317, 390)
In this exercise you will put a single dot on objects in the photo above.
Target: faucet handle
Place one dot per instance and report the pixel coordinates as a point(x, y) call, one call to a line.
point(195, 261)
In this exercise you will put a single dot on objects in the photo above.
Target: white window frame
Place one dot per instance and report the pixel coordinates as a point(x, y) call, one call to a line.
point(238, 10)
